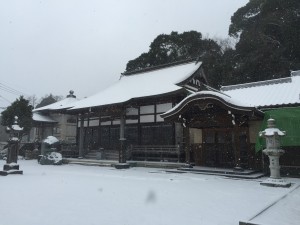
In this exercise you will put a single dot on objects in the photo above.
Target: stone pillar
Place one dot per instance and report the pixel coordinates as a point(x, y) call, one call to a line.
point(81, 137)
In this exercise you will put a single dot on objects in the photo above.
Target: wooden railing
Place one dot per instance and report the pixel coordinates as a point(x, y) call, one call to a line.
point(69, 151)
point(155, 152)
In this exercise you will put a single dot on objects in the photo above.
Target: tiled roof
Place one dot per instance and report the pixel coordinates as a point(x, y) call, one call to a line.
point(270, 93)
point(144, 84)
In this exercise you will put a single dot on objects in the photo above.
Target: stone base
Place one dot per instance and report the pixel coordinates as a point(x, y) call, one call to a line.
point(8, 167)
point(122, 166)
point(8, 172)
point(272, 182)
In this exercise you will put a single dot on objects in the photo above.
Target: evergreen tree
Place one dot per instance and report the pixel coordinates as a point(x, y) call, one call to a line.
point(48, 99)
point(269, 44)
point(22, 110)
point(168, 48)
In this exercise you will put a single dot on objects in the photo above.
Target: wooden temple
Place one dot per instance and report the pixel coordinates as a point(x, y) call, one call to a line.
point(169, 113)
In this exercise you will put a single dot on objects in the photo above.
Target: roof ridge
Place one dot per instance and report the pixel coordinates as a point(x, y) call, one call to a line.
point(162, 66)
point(257, 84)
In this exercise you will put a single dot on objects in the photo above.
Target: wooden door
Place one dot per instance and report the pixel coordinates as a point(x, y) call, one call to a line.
point(218, 148)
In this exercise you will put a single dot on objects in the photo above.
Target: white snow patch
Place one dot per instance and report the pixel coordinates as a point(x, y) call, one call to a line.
point(51, 140)
point(73, 194)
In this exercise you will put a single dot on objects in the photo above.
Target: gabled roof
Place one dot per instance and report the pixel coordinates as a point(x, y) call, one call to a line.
point(144, 84)
point(66, 103)
point(270, 93)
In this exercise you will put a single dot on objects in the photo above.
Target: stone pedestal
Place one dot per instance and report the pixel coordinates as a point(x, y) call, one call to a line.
point(275, 179)
point(11, 166)
point(272, 182)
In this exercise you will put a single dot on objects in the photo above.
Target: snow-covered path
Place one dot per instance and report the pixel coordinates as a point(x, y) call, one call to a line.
point(73, 194)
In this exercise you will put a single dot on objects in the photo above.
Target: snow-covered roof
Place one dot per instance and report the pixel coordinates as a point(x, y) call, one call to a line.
point(66, 103)
point(42, 118)
point(284, 91)
point(225, 99)
point(144, 84)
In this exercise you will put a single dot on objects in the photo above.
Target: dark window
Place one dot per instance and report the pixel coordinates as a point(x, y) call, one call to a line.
point(157, 134)
point(104, 136)
point(131, 134)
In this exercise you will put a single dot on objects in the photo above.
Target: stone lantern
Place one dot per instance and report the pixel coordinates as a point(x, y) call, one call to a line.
point(273, 151)
point(11, 166)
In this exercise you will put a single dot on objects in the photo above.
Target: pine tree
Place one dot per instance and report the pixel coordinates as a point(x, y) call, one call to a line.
point(269, 44)
point(20, 108)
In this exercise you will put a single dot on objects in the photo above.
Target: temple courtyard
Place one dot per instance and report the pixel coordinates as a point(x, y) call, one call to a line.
point(92, 195)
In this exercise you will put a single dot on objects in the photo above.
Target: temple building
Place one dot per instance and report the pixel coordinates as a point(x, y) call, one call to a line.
point(169, 113)
point(52, 120)
point(138, 99)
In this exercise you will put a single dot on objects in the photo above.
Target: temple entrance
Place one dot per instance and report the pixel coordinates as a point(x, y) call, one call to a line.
point(219, 148)
point(216, 132)
point(222, 147)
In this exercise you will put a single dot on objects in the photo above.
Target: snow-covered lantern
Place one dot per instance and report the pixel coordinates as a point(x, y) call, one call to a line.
point(15, 130)
point(273, 151)
point(11, 166)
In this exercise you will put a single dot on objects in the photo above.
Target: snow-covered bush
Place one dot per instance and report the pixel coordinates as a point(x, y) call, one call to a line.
point(52, 158)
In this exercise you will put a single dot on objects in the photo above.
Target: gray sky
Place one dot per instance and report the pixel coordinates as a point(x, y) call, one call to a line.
point(52, 46)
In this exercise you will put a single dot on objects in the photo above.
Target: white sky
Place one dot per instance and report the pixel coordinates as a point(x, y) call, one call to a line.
point(52, 46)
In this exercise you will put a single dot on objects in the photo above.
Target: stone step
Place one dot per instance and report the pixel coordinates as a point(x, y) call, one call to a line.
point(231, 173)
point(91, 164)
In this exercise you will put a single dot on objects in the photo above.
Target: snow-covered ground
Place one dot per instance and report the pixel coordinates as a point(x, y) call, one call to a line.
point(82, 195)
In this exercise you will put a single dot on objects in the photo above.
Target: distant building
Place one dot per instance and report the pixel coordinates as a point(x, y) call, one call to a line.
point(52, 120)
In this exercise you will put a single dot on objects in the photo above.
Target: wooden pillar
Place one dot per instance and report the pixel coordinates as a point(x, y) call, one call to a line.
point(238, 147)
point(81, 136)
point(187, 145)
point(122, 152)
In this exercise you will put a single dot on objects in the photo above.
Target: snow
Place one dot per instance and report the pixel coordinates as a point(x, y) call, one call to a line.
point(144, 84)
point(16, 127)
point(14, 139)
point(211, 95)
point(51, 140)
point(42, 118)
point(73, 194)
point(55, 156)
point(272, 132)
point(63, 104)
point(267, 93)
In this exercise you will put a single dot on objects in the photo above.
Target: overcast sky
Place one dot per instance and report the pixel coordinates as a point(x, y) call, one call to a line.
point(53, 46)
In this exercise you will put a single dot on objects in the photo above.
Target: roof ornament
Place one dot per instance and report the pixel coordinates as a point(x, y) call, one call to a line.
point(71, 94)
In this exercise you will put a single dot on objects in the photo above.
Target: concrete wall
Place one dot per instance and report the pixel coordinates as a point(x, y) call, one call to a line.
point(65, 129)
